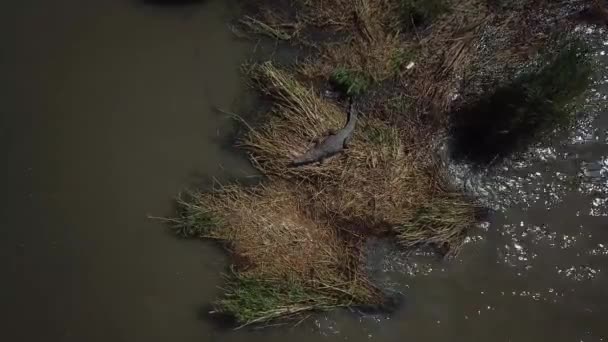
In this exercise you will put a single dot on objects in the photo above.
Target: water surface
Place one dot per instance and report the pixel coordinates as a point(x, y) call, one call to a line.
point(105, 115)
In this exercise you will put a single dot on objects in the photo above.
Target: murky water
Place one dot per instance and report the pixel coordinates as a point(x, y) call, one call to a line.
point(105, 114)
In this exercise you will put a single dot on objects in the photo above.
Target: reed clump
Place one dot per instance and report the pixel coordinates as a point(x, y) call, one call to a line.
point(285, 262)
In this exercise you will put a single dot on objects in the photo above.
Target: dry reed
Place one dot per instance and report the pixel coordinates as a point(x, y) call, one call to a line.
point(300, 264)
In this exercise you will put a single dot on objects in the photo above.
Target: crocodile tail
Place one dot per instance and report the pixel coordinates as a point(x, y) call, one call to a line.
point(301, 162)
point(304, 159)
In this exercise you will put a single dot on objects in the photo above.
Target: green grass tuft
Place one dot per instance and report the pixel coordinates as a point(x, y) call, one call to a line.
point(351, 83)
point(253, 300)
point(193, 221)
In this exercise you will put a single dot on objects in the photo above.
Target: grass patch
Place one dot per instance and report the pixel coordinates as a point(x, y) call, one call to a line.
point(367, 41)
point(380, 135)
point(386, 175)
point(377, 59)
point(255, 300)
point(285, 262)
point(193, 221)
point(349, 82)
point(438, 222)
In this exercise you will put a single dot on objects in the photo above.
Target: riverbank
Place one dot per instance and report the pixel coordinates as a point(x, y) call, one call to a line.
point(297, 237)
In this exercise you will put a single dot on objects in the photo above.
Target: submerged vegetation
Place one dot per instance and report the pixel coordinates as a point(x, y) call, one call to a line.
point(298, 238)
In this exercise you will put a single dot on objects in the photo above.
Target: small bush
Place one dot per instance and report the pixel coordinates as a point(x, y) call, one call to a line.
point(349, 82)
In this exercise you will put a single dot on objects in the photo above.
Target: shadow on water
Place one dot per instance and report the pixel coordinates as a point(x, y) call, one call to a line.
point(518, 114)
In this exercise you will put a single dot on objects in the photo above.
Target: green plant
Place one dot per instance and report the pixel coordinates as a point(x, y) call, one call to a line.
point(254, 300)
point(193, 221)
point(351, 83)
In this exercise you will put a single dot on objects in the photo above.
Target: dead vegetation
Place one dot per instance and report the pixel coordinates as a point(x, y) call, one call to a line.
point(303, 262)
point(455, 50)
point(386, 175)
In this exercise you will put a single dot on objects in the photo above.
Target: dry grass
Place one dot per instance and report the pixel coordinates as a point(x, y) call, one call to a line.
point(442, 222)
point(298, 117)
point(477, 48)
point(380, 183)
point(379, 59)
point(272, 29)
point(372, 45)
point(452, 55)
point(297, 238)
point(300, 264)
point(265, 226)
point(368, 16)
point(447, 51)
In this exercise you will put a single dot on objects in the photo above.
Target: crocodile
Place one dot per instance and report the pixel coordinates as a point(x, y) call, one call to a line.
point(334, 143)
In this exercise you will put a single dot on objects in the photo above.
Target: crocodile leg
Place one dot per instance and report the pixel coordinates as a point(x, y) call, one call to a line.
point(346, 142)
point(319, 139)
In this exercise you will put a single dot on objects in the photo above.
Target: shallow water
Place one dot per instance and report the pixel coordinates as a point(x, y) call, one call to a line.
point(106, 115)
